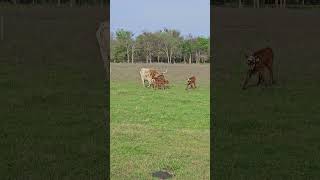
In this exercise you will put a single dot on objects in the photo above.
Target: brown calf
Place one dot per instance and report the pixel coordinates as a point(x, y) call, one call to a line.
point(159, 82)
point(191, 82)
point(258, 62)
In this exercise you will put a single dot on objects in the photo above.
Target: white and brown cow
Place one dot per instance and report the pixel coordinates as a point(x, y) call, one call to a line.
point(147, 74)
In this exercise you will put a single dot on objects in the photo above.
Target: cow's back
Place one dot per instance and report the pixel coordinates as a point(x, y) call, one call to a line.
point(266, 56)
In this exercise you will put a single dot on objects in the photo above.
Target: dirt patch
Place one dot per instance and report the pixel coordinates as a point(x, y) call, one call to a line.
point(176, 72)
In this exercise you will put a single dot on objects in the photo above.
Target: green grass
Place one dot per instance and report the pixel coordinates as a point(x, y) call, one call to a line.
point(264, 133)
point(52, 96)
point(159, 130)
point(267, 133)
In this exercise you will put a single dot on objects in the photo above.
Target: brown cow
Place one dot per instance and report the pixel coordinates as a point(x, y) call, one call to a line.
point(191, 82)
point(259, 62)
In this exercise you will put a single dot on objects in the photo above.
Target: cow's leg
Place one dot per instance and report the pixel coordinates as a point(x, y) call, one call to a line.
point(271, 76)
point(259, 78)
point(149, 83)
point(272, 80)
point(142, 79)
point(248, 76)
point(195, 85)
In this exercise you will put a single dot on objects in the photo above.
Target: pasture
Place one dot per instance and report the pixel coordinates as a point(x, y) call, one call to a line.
point(52, 94)
point(267, 133)
point(154, 130)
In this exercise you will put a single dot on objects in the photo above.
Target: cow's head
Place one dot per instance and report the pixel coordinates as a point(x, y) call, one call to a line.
point(251, 61)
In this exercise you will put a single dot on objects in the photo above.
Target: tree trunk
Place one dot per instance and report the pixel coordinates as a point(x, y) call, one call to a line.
point(276, 3)
point(158, 58)
point(190, 58)
point(284, 3)
point(240, 5)
point(184, 59)
point(132, 53)
point(258, 3)
point(147, 58)
point(170, 56)
point(302, 2)
point(196, 57)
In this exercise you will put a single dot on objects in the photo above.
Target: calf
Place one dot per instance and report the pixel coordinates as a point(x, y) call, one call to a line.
point(159, 82)
point(258, 62)
point(191, 82)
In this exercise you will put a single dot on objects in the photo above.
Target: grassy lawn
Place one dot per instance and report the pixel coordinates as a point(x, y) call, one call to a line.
point(267, 133)
point(159, 130)
point(52, 95)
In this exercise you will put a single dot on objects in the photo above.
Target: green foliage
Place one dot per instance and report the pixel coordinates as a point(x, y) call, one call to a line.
point(120, 45)
point(167, 45)
point(202, 43)
point(118, 53)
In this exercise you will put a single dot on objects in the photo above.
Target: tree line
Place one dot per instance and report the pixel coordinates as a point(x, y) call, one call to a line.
point(266, 3)
point(163, 46)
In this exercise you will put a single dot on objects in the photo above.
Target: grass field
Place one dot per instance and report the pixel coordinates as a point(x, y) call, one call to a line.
point(52, 99)
point(155, 130)
point(267, 133)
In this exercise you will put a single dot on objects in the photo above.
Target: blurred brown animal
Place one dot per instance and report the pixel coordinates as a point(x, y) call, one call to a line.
point(147, 74)
point(159, 82)
point(258, 62)
point(191, 82)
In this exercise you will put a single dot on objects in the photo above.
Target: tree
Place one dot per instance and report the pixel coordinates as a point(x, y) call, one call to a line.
point(146, 43)
point(201, 48)
point(157, 46)
point(187, 49)
point(158, 49)
point(170, 40)
point(124, 38)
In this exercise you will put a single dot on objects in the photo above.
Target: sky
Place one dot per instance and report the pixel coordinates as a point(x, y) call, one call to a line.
point(187, 16)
